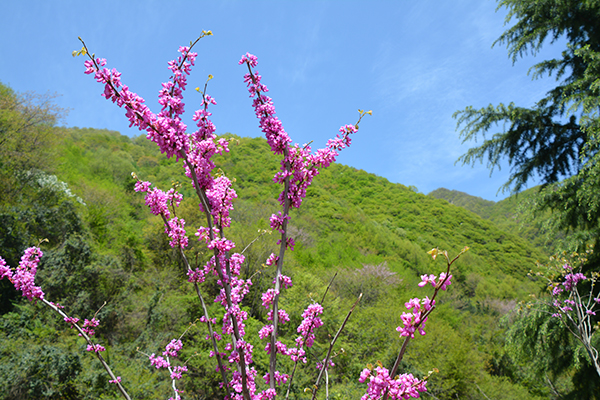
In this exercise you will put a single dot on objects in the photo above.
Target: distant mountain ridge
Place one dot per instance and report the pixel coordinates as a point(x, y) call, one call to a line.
point(508, 214)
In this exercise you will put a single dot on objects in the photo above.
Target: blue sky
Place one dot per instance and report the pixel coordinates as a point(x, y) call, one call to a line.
point(414, 63)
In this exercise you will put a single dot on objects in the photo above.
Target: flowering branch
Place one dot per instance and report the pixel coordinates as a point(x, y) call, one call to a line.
point(383, 383)
point(298, 168)
point(575, 311)
point(312, 324)
point(23, 278)
point(91, 345)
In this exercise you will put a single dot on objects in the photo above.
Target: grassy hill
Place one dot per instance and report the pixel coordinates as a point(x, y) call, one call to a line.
point(352, 223)
point(510, 214)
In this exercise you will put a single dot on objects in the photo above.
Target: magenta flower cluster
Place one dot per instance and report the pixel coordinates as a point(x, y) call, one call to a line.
point(415, 320)
point(569, 287)
point(171, 350)
point(89, 325)
point(160, 203)
point(379, 382)
point(443, 282)
point(23, 277)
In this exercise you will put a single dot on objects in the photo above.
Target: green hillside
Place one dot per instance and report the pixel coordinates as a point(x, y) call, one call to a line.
point(104, 245)
point(510, 214)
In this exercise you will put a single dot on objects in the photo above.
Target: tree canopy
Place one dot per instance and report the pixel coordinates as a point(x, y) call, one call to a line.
point(26, 122)
point(556, 140)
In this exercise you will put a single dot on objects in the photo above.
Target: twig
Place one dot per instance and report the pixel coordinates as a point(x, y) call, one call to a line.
point(326, 361)
point(87, 338)
point(287, 394)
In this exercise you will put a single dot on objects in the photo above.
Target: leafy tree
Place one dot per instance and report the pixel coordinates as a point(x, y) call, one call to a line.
point(26, 132)
point(557, 138)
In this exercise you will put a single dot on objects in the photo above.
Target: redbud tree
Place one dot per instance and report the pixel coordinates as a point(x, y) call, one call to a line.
point(232, 352)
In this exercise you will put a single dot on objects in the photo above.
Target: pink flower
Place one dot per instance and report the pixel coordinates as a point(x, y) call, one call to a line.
point(268, 297)
point(425, 279)
point(158, 362)
point(96, 348)
point(272, 259)
point(178, 371)
point(24, 276)
point(571, 280)
point(176, 231)
point(443, 282)
point(172, 348)
point(88, 325)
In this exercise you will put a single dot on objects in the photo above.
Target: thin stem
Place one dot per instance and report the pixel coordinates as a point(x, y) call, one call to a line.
point(87, 338)
point(207, 318)
point(331, 344)
point(252, 242)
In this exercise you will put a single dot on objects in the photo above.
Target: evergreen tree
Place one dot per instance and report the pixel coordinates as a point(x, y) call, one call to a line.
point(557, 139)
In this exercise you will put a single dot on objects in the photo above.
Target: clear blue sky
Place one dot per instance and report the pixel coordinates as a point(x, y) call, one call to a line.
point(414, 63)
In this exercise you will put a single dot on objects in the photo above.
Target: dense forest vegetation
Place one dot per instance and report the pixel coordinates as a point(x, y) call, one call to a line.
point(105, 253)
point(511, 215)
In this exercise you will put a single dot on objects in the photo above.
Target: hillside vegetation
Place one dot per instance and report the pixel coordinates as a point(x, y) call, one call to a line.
point(105, 246)
point(511, 214)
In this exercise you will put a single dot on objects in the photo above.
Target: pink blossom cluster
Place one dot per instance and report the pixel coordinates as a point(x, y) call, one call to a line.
point(330, 364)
point(298, 166)
point(88, 326)
point(416, 318)
point(95, 348)
point(568, 286)
point(166, 129)
point(199, 166)
point(177, 371)
point(379, 382)
point(311, 321)
point(176, 231)
point(158, 361)
point(171, 350)
point(571, 280)
point(221, 195)
point(272, 260)
point(157, 200)
point(442, 283)
point(159, 203)
point(24, 276)
point(71, 320)
point(279, 378)
point(277, 220)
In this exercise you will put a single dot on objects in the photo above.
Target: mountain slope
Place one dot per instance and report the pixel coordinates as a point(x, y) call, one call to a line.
point(352, 223)
point(509, 214)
